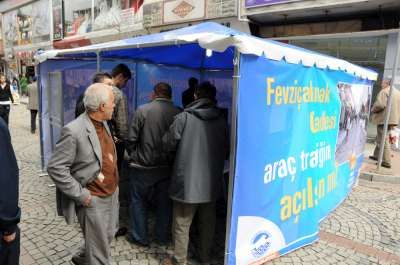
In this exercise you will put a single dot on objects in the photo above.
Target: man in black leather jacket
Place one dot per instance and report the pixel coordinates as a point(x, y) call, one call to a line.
point(149, 167)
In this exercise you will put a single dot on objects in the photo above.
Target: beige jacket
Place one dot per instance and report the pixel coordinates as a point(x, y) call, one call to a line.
point(33, 103)
point(379, 107)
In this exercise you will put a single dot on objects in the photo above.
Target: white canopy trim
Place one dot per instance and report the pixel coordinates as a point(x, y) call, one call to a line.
point(220, 42)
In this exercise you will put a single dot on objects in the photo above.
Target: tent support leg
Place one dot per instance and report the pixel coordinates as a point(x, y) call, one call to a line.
point(232, 158)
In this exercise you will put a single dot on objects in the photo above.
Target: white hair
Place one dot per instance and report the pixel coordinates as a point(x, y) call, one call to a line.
point(95, 95)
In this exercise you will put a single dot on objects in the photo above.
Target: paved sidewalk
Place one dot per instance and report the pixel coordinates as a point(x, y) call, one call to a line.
point(365, 229)
point(369, 169)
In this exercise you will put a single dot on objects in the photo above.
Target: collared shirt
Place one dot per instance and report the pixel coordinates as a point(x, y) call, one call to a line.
point(107, 186)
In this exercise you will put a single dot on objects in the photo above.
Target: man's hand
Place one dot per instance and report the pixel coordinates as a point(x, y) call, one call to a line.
point(116, 140)
point(87, 201)
point(9, 238)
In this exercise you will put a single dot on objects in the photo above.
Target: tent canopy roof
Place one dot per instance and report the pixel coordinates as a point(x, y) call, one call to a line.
point(186, 47)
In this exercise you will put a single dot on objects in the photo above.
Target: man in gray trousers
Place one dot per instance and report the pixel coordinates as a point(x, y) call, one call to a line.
point(84, 169)
point(199, 137)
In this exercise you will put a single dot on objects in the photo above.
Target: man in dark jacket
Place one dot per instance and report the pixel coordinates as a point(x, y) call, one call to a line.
point(9, 211)
point(149, 168)
point(6, 98)
point(199, 138)
point(188, 94)
point(119, 123)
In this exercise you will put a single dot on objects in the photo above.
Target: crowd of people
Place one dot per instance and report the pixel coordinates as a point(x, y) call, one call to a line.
point(173, 157)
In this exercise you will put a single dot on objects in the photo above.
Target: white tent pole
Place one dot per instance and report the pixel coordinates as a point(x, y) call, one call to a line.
point(389, 103)
point(232, 157)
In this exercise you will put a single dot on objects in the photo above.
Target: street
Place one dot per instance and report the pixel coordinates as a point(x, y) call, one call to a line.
point(365, 229)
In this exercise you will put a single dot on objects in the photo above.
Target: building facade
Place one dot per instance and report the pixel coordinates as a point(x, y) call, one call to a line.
point(363, 32)
point(29, 26)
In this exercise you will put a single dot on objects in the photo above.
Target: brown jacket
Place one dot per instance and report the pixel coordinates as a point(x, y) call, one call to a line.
point(379, 107)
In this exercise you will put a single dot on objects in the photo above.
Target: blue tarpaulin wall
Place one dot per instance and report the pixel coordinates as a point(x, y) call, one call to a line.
point(75, 76)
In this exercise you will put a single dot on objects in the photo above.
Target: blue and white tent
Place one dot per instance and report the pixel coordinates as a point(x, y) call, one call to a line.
point(297, 122)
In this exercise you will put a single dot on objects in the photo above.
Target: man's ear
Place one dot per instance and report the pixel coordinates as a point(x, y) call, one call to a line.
point(101, 107)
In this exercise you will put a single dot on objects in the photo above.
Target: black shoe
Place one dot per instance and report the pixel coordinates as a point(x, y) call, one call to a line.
point(386, 164)
point(78, 260)
point(373, 158)
point(135, 242)
point(163, 243)
point(121, 232)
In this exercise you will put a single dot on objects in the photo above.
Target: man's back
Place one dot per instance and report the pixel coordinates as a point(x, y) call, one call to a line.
point(199, 161)
point(379, 107)
point(149, 124)
point(33, 103)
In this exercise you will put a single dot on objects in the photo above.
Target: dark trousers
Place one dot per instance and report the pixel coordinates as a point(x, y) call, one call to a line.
point(4, 112)
point(145, 186)
point(9, 252)
point(33, 120)
point(385, 145)
point(120, 155)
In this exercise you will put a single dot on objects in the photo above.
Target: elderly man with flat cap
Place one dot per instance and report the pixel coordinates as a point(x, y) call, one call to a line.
point(84, 169)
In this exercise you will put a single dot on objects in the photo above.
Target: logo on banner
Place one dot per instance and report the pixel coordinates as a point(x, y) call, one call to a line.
point(257, 240)
point(260, 244)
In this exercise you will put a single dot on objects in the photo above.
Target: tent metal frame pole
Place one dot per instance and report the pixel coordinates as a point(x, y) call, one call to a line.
point(232, 158)
point(39, 83)
point(389, 101)
point(98, 61)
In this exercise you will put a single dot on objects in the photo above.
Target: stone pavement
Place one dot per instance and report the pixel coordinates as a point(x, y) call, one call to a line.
point(365, 229)
point(369, 169)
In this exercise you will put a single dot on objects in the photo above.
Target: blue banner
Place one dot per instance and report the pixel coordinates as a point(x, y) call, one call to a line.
point(288, 176)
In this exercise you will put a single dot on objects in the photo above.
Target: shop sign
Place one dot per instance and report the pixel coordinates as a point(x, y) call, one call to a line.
point(77, 17)
point(153, 14)
point(10, 29)
point(255, 3)
point(24, 22)
point(123, 14)
point(157, 13)
point(41, 21)
point(58, 24)
point(221, 8)
point(183, 10)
